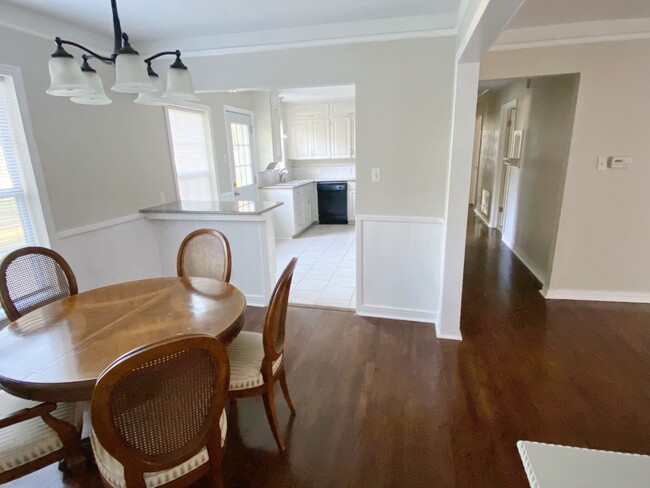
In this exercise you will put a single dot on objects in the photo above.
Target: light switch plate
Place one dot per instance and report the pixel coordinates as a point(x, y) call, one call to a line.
point(376, 175)
point(162, 197)
point(602, 164)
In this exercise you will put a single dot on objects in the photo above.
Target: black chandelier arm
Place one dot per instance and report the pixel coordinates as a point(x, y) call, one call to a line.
point(163, 53)
point(103, 59)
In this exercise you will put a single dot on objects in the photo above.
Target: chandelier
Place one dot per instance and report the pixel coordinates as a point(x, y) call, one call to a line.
point(133, 74)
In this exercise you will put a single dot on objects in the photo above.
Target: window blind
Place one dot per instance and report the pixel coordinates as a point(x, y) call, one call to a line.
point(192, 153)
point(16, 222)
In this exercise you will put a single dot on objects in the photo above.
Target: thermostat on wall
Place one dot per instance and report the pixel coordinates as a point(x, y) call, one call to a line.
point(619, 162)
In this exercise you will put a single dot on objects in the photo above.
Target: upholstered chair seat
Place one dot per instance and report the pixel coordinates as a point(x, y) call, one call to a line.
point(31, 439)
point(112, 470)
point(246, 354)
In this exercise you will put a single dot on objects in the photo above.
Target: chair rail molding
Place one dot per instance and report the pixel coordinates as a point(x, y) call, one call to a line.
point(399, 261)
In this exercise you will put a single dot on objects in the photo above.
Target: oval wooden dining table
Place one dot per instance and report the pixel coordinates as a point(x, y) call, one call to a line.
point(56, 353)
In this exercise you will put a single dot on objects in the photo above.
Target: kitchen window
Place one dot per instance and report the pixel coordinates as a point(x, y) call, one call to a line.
point(21, 218)
point(190, 139)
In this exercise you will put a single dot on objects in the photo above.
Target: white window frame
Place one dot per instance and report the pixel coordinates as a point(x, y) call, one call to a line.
point(35, 191)
point(207, 113)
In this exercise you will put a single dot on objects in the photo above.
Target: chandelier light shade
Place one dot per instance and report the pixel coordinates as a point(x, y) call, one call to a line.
point(66, 78)
point(133, 73)
point(179, 82)
point(152, 98)
point(92, 79)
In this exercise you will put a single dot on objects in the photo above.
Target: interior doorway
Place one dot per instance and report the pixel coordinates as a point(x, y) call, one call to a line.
point(524, 151)
point(504, 161)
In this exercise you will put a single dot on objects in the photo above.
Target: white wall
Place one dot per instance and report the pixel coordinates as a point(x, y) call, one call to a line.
point(404, 98)
point(536, 187)
point(105, 163)
point(604, 230)
point(99, 162)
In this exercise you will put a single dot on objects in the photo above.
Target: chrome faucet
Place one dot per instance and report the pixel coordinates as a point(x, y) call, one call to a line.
point(283, 173)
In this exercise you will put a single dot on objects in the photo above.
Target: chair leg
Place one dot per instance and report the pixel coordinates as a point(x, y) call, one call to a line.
point(272, 415)
point(285, 391)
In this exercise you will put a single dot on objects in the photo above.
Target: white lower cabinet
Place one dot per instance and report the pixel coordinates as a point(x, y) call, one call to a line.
point(299, 212)
point(352, 200)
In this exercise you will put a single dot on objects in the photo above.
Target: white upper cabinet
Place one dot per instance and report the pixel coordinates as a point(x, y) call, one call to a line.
point(321, 130)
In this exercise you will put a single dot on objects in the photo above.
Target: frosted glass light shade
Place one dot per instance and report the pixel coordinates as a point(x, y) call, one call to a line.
point(131, 75)
point(97, 96)
point(66, 79)
point(179, 85)
point(153, 98)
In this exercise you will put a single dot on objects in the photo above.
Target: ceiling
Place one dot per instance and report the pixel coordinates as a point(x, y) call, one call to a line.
point(536, 13)
point(151, 20)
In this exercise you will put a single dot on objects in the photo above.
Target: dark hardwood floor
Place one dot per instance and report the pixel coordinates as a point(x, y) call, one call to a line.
point(384, 403)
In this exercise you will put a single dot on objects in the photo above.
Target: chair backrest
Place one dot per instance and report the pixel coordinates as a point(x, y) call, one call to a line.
point(276, 316)
point(159, 405)
point(205, 253)
point(31, 277)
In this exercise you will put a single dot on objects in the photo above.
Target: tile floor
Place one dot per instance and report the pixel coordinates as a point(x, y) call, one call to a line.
point(326, 270)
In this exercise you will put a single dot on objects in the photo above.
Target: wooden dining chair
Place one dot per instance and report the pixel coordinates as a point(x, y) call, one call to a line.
point(34, 435)
point(158, 414)
point(257, 360)
point(31, 277)
point(205, 253)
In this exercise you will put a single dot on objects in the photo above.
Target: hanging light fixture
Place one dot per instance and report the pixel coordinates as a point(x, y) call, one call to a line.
point(133, 74)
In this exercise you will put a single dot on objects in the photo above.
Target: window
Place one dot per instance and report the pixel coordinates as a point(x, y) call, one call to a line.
point(191, 145)
point(241, 148)
point(21, 218)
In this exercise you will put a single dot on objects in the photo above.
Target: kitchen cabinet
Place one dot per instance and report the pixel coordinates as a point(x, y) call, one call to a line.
point(321, 130)
point(310, 139)
point(352, 200)
point(299, 212)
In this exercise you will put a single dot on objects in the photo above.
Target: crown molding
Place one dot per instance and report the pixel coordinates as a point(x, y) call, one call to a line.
point(576, 33)
point(44, 27)
point(311, 36)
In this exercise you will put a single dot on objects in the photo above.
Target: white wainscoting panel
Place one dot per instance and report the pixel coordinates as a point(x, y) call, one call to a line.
point(111, 252)
point(399, 263)
point(252, 243)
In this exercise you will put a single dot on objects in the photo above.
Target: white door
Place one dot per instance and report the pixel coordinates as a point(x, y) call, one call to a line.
point(478, 134)
point(239, 132)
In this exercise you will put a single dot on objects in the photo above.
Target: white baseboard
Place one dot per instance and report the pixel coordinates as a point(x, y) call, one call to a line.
point(597, 295)
point(449, 337)
point(524, 258)
point(398, 314)
point(256, 300)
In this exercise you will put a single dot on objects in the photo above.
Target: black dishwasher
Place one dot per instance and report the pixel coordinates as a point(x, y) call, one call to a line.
point(332, 202)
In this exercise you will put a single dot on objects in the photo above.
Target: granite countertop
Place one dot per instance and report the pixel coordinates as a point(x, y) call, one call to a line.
point(225, 207)
point(287, 185)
